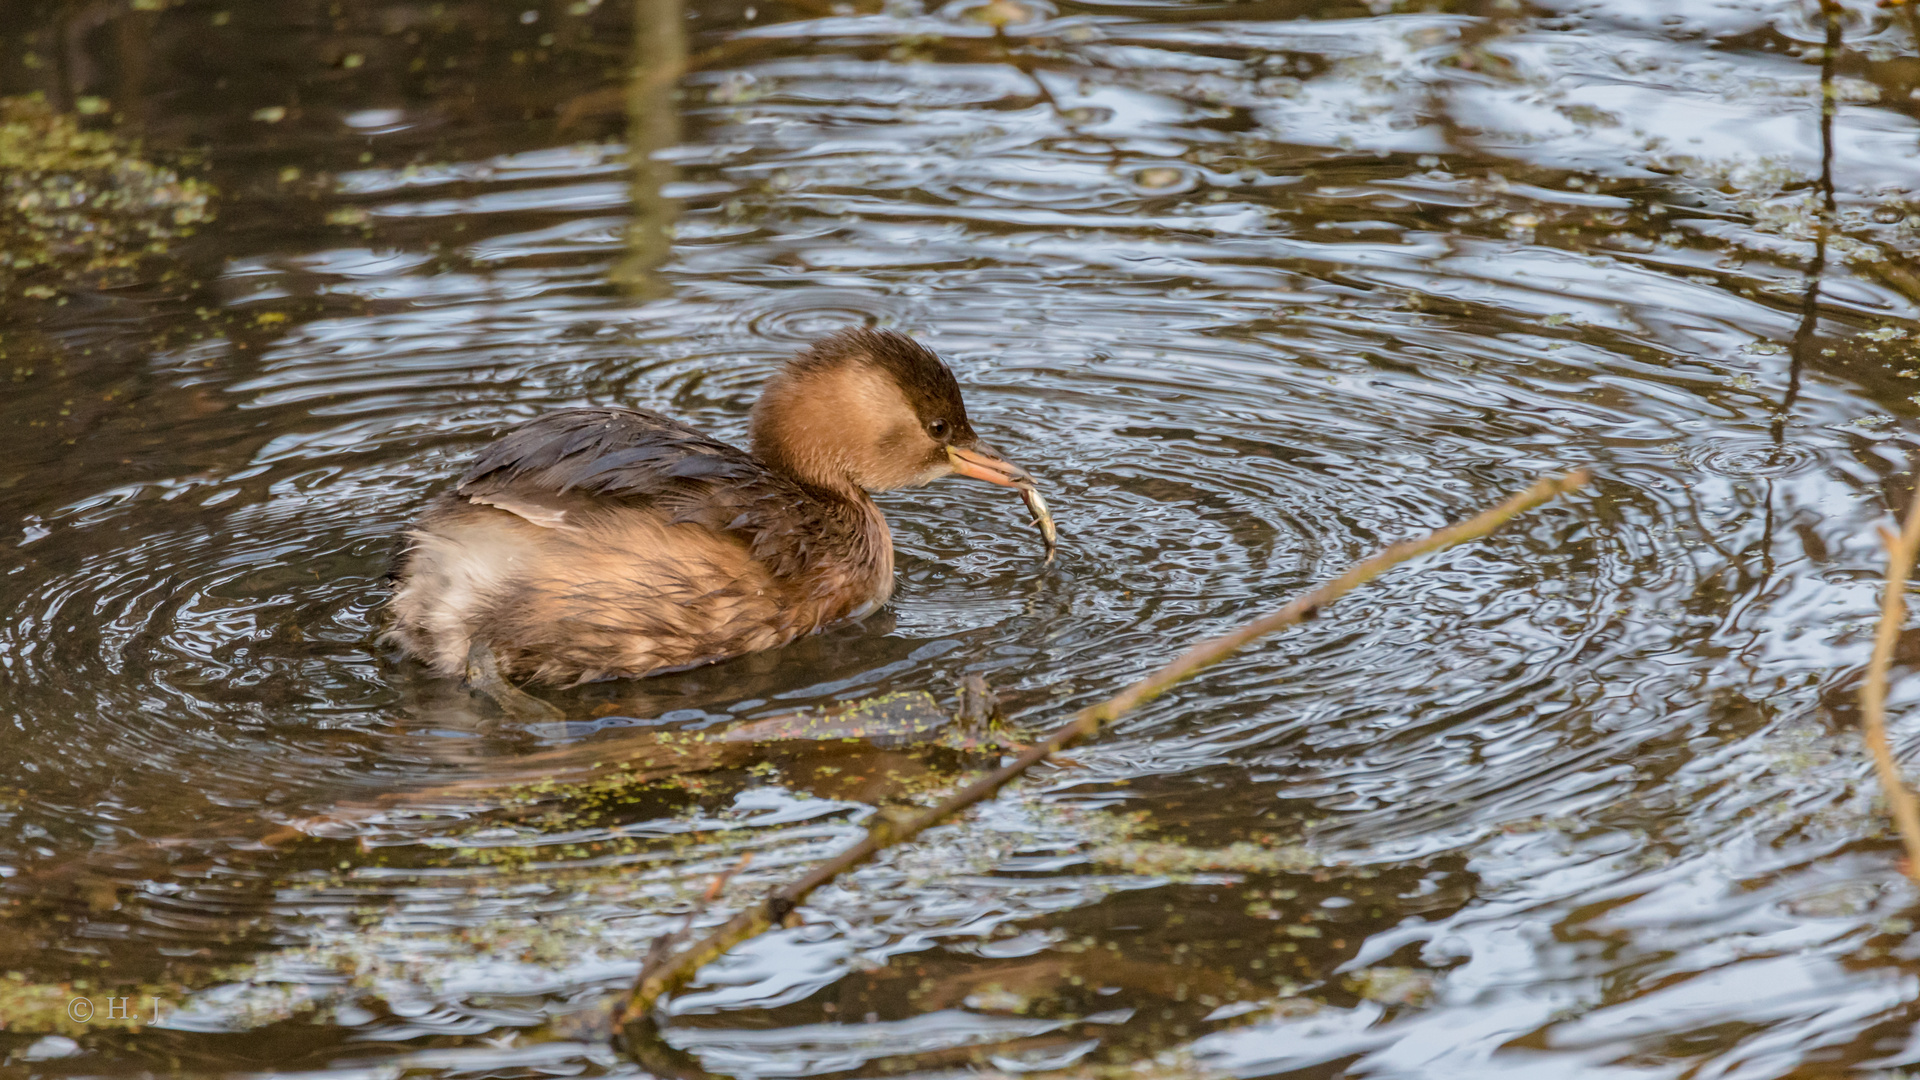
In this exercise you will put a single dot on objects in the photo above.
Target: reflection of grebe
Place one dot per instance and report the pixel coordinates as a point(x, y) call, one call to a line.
point(601, 542)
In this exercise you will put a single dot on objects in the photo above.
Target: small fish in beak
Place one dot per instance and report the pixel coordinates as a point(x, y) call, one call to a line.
point(980, 462)
point(1031, 496)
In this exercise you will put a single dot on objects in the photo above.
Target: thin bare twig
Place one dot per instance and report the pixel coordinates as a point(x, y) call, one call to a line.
point(1901, 550)
point(661, 975)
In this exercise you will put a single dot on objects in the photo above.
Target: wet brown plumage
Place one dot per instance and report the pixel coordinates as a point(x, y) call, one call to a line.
point(604, 542)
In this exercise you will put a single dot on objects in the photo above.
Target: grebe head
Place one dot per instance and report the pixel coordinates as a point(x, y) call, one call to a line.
point(874, 410)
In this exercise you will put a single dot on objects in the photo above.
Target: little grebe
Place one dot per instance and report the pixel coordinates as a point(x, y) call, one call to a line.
point(604, 542)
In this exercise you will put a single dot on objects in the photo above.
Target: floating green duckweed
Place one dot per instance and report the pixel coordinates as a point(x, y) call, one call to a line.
point(1392, 985)
point(76, 1007)
point(80, 206)
point(1164, 859)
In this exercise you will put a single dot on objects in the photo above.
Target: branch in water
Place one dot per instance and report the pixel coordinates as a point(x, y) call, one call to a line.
point(661, 974)
point(1901, 550)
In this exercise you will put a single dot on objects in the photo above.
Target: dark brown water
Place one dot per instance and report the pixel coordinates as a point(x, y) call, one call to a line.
point(1254, 288)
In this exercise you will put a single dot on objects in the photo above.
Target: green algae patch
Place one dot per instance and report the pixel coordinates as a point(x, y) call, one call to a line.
point(79, 1006)
point(80, 207)
point(1160, 858)
point(1392, 985)
point(609, 768)
point(903, 717)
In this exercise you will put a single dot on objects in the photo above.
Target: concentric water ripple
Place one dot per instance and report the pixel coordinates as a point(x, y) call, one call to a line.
point(1757, 459)
point(794, 317)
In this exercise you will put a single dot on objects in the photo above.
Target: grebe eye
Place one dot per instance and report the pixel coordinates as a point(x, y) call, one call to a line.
point(937, 429)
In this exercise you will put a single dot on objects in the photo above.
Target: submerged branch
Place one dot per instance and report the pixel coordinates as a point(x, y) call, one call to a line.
point(662, 974)
point(1901, 550)
point(605, 768)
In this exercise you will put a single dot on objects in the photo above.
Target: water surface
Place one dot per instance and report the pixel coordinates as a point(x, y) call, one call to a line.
point(1254, 288)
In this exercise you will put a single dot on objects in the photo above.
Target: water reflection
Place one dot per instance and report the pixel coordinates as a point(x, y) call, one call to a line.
point(1254, 288)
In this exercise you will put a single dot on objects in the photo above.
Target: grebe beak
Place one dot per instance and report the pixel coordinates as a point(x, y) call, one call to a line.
point(980, 462)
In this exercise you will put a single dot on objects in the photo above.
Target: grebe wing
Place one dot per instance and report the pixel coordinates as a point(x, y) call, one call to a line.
point(617, 452)
point(555, 468)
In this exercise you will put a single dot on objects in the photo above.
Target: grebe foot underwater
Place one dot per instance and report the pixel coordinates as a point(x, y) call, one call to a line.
point(607, 542)
point(483, 677)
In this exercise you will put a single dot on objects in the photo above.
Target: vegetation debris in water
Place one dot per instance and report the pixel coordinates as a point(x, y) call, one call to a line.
point(81, 207)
